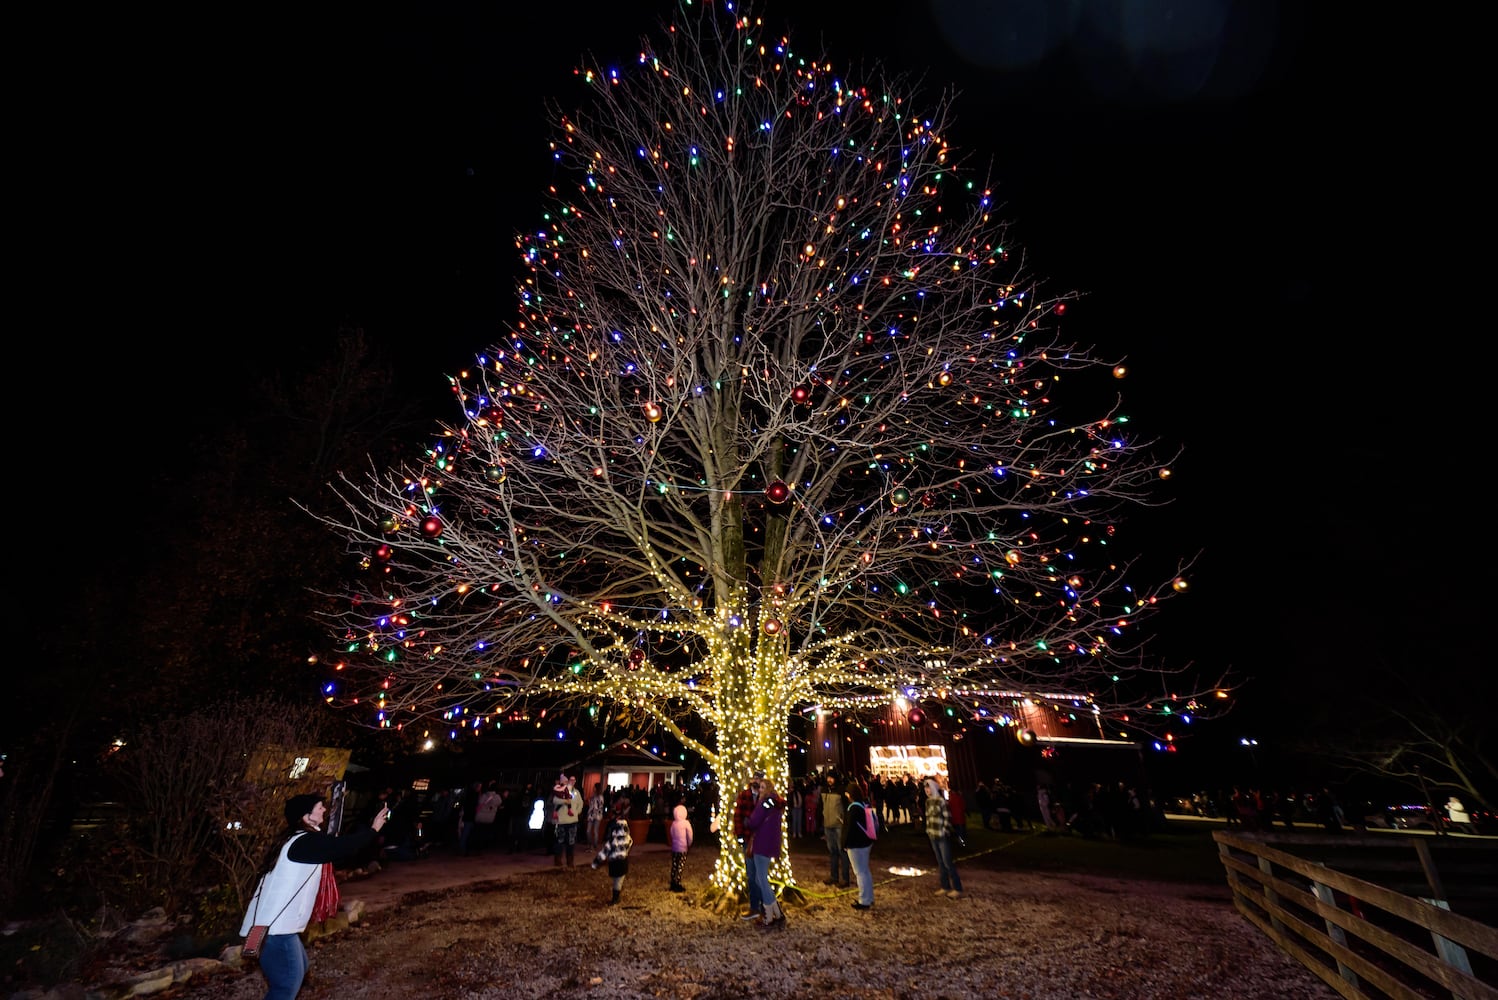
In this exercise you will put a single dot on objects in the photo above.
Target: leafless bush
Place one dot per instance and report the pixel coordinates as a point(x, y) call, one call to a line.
point(204, 793)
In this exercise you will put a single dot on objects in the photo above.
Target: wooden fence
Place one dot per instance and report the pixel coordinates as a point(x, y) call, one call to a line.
point(1374, 915)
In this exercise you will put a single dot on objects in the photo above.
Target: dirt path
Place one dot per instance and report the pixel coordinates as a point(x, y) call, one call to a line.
point(544, 932)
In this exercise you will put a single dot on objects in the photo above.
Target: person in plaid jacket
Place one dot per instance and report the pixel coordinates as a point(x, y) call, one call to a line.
point(939, 832)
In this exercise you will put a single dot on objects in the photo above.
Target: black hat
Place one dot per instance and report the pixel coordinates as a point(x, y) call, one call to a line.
point(298, 806)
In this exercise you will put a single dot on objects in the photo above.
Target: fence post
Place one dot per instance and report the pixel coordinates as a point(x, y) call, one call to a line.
point(1428, 866)
point(1451, 953)
point(1325, 894)
point(1270, 896)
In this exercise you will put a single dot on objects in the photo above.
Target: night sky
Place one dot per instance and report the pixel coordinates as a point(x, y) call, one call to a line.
point(1268, 208)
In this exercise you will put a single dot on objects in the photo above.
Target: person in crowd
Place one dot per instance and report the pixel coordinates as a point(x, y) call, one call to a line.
point(834, 809)
point(512, 816)
point(983, 799)
point(440, 826)
point(763, 826)
point(813, 806)
point(957, 806)
point(1328, 812)
point(469, 809)
point(860, 829)
point(486, 815)
point(1458, 816)
point(1226, 807)
point(680, 836)
point(796, 809)
point(596, 809)
point(1009, 807)
point(742, 807)
point(367, 861)
point(1043, 800)
point(284, 898)
point(939, 832)
point(402, 834)
point(616, 847)
point(909, 792)
point(566, 813)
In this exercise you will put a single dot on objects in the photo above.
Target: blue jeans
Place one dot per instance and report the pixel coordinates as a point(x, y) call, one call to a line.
point(465, 834)
point(283, 962)
point(756, 898)
point(761, 880)
point(860, 858)
point(945, 866)
point(840, 869)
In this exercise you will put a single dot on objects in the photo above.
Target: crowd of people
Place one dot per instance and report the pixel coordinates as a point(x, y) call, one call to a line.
point(848, 812)
point(1255, 808)
point(488, 816)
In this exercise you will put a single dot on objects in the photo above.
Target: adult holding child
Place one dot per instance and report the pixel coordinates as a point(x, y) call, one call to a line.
point(566, 812)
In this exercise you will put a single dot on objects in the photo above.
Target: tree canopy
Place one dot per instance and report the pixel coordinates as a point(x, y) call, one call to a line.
point(783, 422)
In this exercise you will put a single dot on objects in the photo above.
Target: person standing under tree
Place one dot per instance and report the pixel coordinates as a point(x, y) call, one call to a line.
point(486, 812)
point(860, 829)
point(566, 812)
point(939, 832)
point(616, 847)
point(284, 899)
point(596, 809)
point(468, 808)
point(834, 809)
point(680, 836)
point(763, 826)
point(742, 807)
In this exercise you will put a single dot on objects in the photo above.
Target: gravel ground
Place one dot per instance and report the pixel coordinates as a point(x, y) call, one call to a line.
point(1028, 935)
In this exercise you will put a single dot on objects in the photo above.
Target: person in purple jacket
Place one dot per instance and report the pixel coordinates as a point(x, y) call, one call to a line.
point(763, 827)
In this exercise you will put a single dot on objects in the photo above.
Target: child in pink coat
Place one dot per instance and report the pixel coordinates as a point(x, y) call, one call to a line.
point(680, 835)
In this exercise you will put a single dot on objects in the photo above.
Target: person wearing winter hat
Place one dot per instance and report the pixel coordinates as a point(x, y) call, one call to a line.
point(284, 898)
point(680, 835)
point(616, 846)
point(763, 826)
point(939, 832)
point(566, 811)
point(857, 841)
point(743, 807)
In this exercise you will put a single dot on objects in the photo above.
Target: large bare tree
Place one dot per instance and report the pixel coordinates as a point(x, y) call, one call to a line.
point(779, 425)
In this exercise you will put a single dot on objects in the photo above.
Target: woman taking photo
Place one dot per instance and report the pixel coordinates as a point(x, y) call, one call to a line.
point(283, 900)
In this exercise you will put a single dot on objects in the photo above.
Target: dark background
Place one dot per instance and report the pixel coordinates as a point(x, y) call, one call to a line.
point(1270, 209)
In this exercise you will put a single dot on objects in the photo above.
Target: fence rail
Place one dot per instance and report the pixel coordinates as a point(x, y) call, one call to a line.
point(1363, 937)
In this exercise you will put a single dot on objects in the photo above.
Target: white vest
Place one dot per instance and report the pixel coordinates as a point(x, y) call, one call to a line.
point(284, 898)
